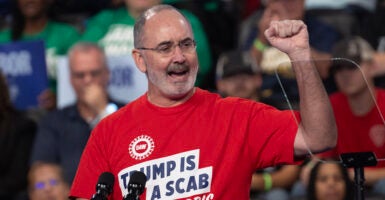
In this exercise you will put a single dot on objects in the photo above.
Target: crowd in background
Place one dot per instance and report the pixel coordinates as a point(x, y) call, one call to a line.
point(225, 23)
point(224, 31)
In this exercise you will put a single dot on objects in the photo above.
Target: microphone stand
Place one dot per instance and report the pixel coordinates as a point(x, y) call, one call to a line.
point(134, 191)
point(358, 161)
point(359, 179)
point(135, 186)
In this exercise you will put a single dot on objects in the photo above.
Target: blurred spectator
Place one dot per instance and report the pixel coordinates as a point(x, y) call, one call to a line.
point(355, 109)
point(360, 126)
point(368, 5)
point(274, 183)
point(329, 181)
point(374, 32)
point(321, 38)
point(238, 75)
point(16, 137)
point(32, 20)
point(46, 182)
point(77, 12)
point(347, 16)
point(249, 7)
point(113, 30)
point(63, 134)
point(84, 7)
point(217, 16)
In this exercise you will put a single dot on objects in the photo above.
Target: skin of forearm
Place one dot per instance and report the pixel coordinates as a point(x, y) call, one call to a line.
point(283, 178)
point(316, 113)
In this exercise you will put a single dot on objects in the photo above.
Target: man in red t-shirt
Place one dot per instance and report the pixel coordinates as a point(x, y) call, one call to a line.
point(359, 107)
point(193, 144)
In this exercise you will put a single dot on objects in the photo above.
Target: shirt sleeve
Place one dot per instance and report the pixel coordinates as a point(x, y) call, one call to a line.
point(271, 136)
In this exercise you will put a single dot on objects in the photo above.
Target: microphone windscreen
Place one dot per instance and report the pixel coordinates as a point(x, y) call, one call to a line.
point(138, 177)
point(106, 178)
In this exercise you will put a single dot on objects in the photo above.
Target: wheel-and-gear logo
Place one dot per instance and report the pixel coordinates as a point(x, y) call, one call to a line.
point(141, 147)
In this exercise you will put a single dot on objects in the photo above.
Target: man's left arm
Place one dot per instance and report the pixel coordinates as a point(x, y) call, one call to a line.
point(317, 130)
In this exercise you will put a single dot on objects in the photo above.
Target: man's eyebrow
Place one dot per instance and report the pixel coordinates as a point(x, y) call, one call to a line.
point(168, 42)
point(165, 43)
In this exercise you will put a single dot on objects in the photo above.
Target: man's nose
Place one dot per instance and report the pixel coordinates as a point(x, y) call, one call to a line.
point(87, 78)
point(178, 55)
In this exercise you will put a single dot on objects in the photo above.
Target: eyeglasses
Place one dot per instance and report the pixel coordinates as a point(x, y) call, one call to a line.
point(42, 184)
point(168, 48)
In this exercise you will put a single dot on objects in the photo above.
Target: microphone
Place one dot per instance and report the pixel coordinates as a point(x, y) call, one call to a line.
point(136, 185)
point(104, 186)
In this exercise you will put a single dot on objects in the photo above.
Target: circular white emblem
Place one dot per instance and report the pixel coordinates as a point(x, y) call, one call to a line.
point(141, 147)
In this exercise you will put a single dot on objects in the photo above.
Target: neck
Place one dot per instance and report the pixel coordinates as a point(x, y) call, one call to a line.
point(363, 102)
point(35, 25)
point(164, 101)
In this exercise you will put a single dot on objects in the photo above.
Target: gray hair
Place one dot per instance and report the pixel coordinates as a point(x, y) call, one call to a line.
point(141, 21)
point(86, 47)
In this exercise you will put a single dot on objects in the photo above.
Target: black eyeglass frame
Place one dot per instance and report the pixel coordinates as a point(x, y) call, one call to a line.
point(172, 47)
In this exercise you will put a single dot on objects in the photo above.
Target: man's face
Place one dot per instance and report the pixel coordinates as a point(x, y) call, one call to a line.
point(47, 184)
point(33, 8)
point(330, 183)
point(350, 80)
point(87, 70)
point(171, 75)
point(240, 85)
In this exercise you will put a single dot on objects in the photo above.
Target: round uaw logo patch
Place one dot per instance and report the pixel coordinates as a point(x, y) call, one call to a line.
point(141, 147)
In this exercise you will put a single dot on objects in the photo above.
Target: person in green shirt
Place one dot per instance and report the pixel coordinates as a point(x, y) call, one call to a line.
point(113, 30)
point(32, 21)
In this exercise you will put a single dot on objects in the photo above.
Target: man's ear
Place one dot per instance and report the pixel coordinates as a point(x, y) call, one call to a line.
point(139, 60)
point(220, 85)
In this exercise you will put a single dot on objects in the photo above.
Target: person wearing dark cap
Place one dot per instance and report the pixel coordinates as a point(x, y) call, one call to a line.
point(238, 75)
point(360, 126)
